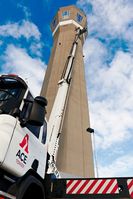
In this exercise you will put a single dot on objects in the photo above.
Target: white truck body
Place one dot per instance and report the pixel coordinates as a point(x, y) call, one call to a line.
point(14, 157)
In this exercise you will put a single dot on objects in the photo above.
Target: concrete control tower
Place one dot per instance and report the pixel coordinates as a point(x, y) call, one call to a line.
point(75, 147)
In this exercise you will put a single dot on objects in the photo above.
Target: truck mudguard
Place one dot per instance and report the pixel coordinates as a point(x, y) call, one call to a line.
point(28, 186)
point(31, 187)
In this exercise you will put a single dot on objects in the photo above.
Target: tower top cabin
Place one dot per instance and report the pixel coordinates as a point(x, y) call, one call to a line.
point(68, 16)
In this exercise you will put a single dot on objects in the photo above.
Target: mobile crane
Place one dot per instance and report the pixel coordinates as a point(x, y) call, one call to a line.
point(29, 145)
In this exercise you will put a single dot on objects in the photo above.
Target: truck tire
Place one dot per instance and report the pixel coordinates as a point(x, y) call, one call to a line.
point(30, 188)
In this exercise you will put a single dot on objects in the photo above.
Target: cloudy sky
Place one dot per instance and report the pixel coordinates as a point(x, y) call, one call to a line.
point(25, 44)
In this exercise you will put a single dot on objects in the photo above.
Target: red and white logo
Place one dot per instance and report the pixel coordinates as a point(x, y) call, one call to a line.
point(24, 143)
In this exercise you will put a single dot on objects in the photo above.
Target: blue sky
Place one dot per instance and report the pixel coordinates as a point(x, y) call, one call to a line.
point(25, 44)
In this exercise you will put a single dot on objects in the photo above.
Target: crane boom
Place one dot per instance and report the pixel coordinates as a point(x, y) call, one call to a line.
point(57, 113)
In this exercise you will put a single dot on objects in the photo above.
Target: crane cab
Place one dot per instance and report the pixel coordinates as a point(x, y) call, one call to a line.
point(12, 90)
point(22, 128)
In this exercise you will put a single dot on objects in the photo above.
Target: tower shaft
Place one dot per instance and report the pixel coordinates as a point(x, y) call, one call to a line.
point(75, 147)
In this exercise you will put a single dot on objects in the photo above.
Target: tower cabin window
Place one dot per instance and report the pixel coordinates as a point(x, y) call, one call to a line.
point(54, 22)
point(79, 18)
point(65, 14)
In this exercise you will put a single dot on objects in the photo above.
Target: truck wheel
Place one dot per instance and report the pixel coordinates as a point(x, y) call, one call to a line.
point(30, 188)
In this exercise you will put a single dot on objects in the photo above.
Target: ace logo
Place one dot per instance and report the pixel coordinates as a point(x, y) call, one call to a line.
point(24, 143)
point(21, 156)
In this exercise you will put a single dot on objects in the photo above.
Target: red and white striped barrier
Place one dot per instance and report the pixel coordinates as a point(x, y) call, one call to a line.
point(130, 187)
point(100, 186)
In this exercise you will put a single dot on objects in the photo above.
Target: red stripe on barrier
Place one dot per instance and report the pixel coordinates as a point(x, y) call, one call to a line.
point(130, 184)
point(74, 187)
point(108, 186)
point(114, 189)
point(91, 186)
point(131, 195)
point(99, 186)
point(130, 187)
point(69, 183)
point(82, 187)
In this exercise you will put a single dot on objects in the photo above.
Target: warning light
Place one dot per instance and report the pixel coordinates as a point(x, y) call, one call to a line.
point(12, 74)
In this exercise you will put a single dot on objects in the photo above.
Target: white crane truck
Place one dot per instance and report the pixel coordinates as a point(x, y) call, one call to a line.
point(29, 145)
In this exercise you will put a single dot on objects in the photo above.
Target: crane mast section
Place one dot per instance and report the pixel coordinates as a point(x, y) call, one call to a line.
point(56, 116)
point(56, 119)
point(68, 73)
point(58, 110)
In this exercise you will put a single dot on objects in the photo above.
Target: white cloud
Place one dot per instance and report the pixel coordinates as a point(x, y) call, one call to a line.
point(108, 16)
point(95, 54)
point(94, 50)
point(120, 167)
point(24, 28)
point(111, 96)
point(19, 62)
point(36, 48)
point(129, 34)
